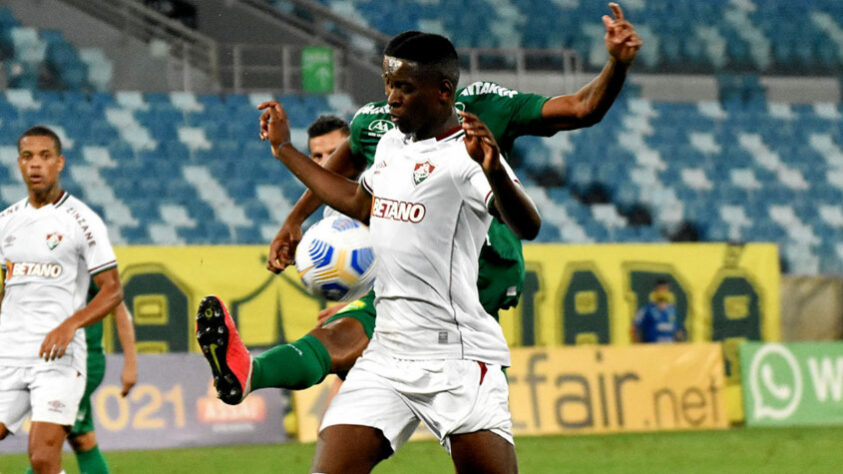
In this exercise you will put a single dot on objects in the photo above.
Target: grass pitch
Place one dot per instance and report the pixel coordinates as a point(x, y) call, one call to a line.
point(744, 450)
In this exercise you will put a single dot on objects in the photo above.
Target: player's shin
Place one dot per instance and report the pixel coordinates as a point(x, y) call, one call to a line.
point(296, 366)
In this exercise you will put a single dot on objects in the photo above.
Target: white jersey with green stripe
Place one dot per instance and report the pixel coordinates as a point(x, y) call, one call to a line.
point(48, 256)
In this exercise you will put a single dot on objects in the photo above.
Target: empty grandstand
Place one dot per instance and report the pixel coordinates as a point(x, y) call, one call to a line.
point(733, 167)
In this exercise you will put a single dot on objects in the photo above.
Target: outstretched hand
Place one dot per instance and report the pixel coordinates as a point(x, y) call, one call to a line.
point(621, 39)
point(274, 125)
point(480, 143)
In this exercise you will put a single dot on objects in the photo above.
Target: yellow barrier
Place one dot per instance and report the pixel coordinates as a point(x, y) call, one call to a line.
point(590, 293)
point(574, 294)
point(594, 389)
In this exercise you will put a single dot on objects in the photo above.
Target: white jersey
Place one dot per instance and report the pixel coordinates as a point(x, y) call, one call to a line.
point(49, 255)
point(428, 222)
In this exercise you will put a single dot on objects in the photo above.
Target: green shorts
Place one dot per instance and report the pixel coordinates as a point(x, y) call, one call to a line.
point(362, 310)
point(85, 417)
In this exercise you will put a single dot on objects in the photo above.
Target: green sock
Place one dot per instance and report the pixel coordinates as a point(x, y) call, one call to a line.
point(91, 461)
point(296, 366)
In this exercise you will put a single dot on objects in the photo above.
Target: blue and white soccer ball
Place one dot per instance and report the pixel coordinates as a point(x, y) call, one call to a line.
point(335, 259)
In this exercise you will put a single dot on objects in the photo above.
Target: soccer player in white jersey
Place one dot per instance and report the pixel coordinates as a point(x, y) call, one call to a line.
point(51, 244)
point(436, 355)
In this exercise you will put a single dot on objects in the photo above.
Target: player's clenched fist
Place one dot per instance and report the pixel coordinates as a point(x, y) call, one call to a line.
point(621, 39)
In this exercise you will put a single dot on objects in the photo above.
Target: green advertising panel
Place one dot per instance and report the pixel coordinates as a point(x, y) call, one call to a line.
point(317, 69)
point(792, 384)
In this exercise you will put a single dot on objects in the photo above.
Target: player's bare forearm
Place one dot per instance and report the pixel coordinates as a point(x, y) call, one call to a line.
point(103, 303)
point(126, 335)
point(110, 294)
point(340, 162)
point(513, 204)
point(511, 201)
point(587, 106)
point(331, 188)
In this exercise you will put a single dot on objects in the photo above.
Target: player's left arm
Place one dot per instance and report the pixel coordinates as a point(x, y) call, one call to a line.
point(335, 190)
point(109, 296)
point(589, 105)
point(126, 335)
point(513, 204)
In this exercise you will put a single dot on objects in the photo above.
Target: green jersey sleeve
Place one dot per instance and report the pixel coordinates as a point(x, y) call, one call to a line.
point(508, 113)
point(367, 127)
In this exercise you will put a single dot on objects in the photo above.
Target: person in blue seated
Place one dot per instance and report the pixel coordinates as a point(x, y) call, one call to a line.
point(656, 321)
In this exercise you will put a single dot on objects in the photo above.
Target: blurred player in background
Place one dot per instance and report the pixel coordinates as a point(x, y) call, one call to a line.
point(82, 438)
point(435, 355)
point(509, 114)
point(656, 321)
point(51, 246)
point(324, 135)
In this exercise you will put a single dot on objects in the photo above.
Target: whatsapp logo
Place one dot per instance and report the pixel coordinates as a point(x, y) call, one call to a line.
point(775, 381)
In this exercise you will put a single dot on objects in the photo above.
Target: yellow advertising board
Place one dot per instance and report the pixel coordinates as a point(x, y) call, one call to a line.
point(594, 389)
point(573, 295)
point(578, 294)
point(164, 285)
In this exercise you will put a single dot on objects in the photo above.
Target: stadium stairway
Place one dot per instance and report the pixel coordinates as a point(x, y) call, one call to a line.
point(43, 59)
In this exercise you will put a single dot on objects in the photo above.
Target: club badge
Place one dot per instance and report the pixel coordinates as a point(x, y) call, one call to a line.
point(422, 171)
point(53, 240)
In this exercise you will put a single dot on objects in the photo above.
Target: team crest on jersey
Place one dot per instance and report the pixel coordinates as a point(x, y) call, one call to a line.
point(53, 240)
point(380, 127)
point(422, 171)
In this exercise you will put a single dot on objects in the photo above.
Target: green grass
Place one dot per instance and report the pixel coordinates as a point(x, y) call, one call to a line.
point(774, 450)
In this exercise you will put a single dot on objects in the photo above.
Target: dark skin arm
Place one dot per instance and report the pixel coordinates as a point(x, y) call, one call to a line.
point(283, 246)
point(337, 191)
point(569, 112)
point(589, 105)
point(109, 296)
point(511, 202)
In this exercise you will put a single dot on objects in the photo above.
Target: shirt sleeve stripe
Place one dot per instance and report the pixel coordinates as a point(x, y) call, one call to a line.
point(489, 199)
point(366, 186)
point(101, 268)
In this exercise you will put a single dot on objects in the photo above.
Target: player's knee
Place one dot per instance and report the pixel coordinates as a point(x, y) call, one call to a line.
point(82, 442)
point(44, 459)
point(3, 431)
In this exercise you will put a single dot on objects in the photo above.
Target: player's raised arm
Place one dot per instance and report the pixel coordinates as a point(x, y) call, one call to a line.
point(511, 201)
point(109, 296)
point(334, 189)
point(589, 105)
point(283, 247)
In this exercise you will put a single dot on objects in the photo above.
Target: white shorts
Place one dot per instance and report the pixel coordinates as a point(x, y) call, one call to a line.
point(51, 392)
point(449, 396)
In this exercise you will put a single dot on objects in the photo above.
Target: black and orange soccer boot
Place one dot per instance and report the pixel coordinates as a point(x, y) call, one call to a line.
point(228, 357)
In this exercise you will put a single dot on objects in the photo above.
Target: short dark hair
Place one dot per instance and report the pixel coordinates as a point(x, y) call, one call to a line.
point(427, 49)
point(41, 131)
point(326, 124)
point(661, 282)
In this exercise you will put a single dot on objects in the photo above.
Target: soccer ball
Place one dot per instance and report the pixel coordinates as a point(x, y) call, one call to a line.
point(335, 259)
